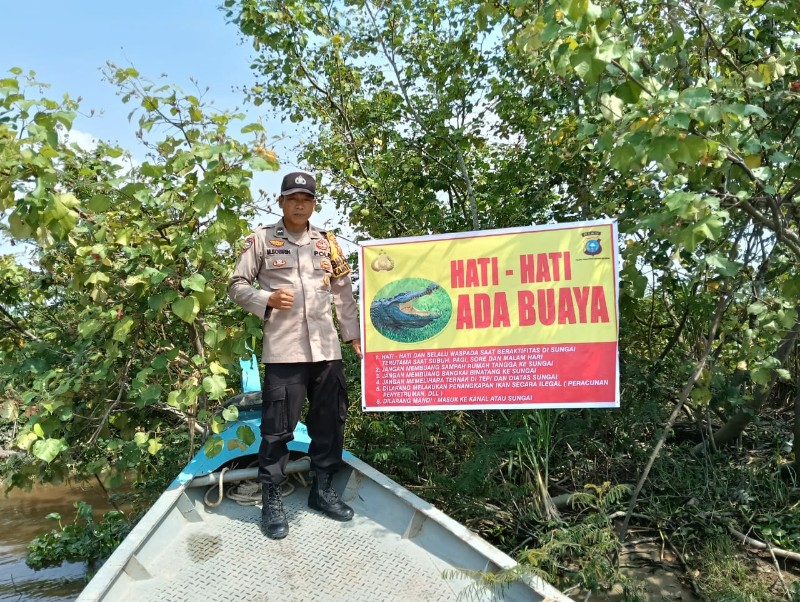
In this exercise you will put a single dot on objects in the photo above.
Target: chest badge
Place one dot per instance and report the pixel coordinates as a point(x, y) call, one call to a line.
point(279, 263)
point(322, 245)
point(276, 243)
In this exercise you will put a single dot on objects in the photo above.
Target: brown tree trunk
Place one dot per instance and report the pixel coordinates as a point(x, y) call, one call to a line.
point(739, 421)
point(722, 305)
point(796, 444)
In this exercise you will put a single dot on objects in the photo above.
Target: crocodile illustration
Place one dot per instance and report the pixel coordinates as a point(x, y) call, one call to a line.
point(398, 313)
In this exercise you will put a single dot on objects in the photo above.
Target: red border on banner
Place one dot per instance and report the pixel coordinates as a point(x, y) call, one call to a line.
point(524, 376)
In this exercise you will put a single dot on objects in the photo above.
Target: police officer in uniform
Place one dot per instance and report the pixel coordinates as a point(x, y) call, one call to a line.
point(298, 269)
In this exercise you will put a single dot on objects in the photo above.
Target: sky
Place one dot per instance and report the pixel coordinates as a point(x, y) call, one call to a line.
point(68, 42)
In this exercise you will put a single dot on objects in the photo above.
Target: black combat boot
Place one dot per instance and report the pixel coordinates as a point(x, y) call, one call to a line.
point(273, 518)
point(323, 497)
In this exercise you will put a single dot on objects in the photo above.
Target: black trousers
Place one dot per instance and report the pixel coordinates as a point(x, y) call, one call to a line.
point(285, 389)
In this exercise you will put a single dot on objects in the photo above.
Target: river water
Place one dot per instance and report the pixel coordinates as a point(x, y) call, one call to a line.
point(22, 518)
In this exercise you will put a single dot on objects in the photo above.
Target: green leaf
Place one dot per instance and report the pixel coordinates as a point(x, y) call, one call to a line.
point(213, 446)
point(195, 282)
point(230, 413)
point(25, 440)
point(610, 50)
point(174, 399)
point(260, 164)
point(577, 8)
point(97, 277)
point(586, 66)
point(186, 309)
point(217, 424)
point(99, 203)
point(135, 279)
point(755, 110)
point(155, 276)
point(723, 266)
point(709, 228)
point(687, 237)
point(246, 434)
point(695, 97)
point(150, 395)
point(217, 368)
point(48, 449)
point(88, 328)
point(214, 336)
point(18, 227)
point(215, 386)
point(252, 127)
point(680, 120)
point(236, 444)
point(122, 329)
point(762, 373)
point(157, 302)
point(690, 149)
point(612, 107)
point(206, 297)
point(153, 446)
point(662, 146)
point(205, 201)
point(623, 158)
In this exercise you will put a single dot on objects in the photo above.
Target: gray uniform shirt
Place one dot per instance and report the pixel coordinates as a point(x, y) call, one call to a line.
point(304, 333)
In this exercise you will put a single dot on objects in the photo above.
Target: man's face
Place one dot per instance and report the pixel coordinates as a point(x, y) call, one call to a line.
point(297, 209)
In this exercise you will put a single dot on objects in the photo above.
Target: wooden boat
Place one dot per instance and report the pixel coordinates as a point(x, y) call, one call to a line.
point(397, 547)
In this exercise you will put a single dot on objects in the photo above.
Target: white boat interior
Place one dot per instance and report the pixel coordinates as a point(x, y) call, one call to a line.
point(397, 548)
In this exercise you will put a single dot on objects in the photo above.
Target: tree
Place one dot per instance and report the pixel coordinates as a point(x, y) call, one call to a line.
point(696, 104)
point(399, 93)
point(119, 328)
point(679, 120)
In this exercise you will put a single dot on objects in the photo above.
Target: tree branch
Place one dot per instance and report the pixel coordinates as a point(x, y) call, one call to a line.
point(722, 305)
point(8, 319)
point(415, 116)
point(723, 55)
point(122, 387)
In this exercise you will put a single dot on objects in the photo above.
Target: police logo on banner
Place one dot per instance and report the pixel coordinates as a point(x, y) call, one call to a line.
point(591, 243)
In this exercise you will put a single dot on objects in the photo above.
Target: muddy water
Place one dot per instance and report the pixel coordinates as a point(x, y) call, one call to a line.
point(22, 518)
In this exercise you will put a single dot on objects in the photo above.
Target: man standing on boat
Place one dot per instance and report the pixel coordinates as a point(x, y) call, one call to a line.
point(298, 269)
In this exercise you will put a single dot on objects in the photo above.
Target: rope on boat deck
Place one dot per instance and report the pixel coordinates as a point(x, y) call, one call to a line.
point(247, 492)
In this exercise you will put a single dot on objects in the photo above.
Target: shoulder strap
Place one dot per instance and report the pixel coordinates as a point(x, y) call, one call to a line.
point(339, 263)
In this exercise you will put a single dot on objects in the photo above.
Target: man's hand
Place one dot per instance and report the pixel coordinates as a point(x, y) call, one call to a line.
point(357, 348)
point(283, 298)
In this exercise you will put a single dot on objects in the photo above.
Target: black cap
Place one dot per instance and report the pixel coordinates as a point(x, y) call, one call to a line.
point(299, 181)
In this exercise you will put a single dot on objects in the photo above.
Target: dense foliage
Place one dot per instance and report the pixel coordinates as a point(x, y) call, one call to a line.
point(682, 120)
point(116, 324)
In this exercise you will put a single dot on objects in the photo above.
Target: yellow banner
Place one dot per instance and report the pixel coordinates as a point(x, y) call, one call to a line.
point(551, 284)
